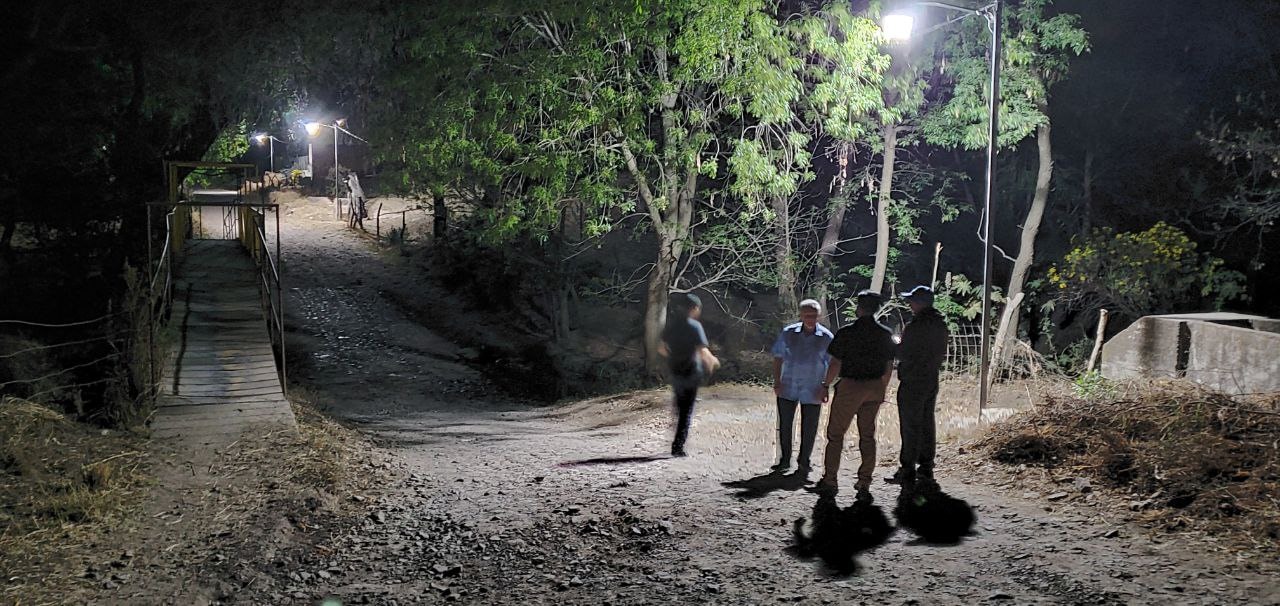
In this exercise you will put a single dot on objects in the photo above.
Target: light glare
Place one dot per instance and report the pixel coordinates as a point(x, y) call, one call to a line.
point(898, 27)
point(313, 128)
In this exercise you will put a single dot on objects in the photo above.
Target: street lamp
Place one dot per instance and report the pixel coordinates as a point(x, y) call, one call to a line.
point(898, 27)
point(313, 128)
point(262, 138)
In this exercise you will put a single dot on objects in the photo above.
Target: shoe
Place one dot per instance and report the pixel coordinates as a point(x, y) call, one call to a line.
point(678, 452)
point(781, 466)
point(900, 477)
point(864, 495)
point(825, 487)
point(803, 468)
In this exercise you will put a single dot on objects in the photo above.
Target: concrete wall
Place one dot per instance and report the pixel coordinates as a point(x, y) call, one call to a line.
point(1230, 359)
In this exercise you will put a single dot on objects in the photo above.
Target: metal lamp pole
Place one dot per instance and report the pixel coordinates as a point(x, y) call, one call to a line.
point(899, 26)
point(271, 147)
point(312, 129)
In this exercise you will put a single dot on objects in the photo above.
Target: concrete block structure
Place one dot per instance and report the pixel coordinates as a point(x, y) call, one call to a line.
point(1231, 353)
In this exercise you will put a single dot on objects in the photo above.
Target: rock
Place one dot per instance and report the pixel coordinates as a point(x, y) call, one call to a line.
point(1083, 485)
point(1000, 596)
point(379, 517)
point(712, 588)
point(1057, 496)
point(576, 582)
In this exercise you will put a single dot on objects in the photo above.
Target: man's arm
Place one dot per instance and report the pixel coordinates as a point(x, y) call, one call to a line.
point(777, 377)
point(709, 360)
point(833, 371)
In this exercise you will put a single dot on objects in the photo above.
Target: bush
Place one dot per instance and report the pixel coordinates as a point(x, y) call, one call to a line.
point(1142, 273)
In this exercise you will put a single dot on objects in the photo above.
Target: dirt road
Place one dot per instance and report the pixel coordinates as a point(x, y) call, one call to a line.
point(491, 501)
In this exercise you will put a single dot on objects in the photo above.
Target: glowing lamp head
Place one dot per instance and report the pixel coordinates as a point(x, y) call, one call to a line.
point(313, 128)
point(260, 139)
point(897, 27)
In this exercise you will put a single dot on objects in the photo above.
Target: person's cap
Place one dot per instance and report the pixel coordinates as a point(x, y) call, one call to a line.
point(920, 294)
point(690, 301)
point(869, 298)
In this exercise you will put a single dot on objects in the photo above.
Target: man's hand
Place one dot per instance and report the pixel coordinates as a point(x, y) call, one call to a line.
point(777, 388)
point(822, 394)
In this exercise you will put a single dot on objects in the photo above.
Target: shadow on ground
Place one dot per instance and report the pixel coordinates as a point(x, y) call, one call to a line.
point(760, 486)
point(838, 535)
point(936, 517)
point(615, 460)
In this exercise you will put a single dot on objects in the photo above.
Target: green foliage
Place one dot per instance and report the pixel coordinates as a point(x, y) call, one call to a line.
point(231, 144)
point(1139, 273)
point(1037, 51)
point(1247, 144)
point(1092, 385)
point(959, 298)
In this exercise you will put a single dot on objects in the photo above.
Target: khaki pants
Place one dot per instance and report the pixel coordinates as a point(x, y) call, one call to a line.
point(860, 399)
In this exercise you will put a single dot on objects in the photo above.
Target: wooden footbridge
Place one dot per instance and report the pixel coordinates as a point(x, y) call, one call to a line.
point(221, 366)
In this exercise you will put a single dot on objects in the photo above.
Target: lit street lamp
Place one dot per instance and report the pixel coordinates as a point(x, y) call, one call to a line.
point(313, 128)
point(271, 144)
point(898, 26)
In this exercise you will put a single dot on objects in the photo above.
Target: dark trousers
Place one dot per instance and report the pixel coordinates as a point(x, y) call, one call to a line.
point(917, 399)
point(685, 389)
point(809, 416)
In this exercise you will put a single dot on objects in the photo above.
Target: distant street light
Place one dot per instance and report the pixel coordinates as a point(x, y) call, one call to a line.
point(898, 26)
point(262, 138)
point(313, 128)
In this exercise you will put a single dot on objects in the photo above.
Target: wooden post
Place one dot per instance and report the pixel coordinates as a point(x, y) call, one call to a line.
point(377, 222)
point(1097, 341)
point(937, 253)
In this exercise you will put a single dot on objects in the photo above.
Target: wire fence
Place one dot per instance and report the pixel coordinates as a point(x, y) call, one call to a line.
point(964, 352)
point(40, 361)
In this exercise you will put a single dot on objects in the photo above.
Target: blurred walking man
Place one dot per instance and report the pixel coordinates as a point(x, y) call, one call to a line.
point(799, 368)
point(862, 357)
point(685, 345)
point(920, 358)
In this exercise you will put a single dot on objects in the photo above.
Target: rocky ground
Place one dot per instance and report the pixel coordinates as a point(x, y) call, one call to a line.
point(473, 496)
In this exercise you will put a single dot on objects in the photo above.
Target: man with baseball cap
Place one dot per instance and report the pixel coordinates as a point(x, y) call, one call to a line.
point(920, 357)
point(862, 357)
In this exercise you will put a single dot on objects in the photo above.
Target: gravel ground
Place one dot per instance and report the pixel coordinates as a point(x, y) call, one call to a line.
point(477, 497)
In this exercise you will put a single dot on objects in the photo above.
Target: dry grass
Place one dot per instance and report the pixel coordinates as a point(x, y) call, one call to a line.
point(62, 484)
point(1191, 458)
point(54, 471)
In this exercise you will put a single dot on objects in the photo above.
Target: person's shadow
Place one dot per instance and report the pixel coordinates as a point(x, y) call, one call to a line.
point(936, 517)
point(838, 535)
point(760, 486)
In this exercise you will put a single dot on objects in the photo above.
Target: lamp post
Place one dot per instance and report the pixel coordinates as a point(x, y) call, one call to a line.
point(898, 26)
point(271, 144)
point(313, 128)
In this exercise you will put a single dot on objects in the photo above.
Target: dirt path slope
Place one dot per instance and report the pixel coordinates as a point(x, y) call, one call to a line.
point(490, 501)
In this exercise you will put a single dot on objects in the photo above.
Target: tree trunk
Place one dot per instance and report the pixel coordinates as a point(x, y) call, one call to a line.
point(1008, 330)
point(655, 303)
point(788, 304)
point(890, 133)
point(827, 255)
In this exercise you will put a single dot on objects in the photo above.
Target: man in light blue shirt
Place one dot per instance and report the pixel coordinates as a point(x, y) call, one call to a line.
point(799, 368)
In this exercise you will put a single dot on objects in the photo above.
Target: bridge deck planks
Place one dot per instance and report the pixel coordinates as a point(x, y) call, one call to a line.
point(221, 379)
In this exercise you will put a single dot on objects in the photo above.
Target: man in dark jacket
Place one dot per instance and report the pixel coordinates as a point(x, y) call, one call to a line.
point(862, 357)
point(920, 358)
point(684, 343)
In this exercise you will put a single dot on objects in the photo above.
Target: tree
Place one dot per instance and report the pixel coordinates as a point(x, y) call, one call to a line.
point(1037, 52)
point(818, 80)
point(1134, 274)
point(1247, 144)
point(623, 107)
